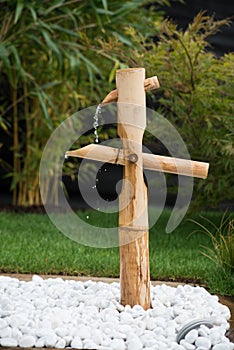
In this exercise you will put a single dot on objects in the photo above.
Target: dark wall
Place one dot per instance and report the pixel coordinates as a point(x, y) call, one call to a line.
point(182, 14)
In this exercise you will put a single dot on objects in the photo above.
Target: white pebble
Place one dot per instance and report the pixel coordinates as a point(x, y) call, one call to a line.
point(126, 318)
point(203, 342)
point(191, 336)
point(28, 330)
point(97, 336)
point(76, 343)
point(6, 332)
point(175, 346)
point(117, 344)
point(68, 340)
point(89, 344)
point(18, 320)
point(84, 332)
point(16, 333)
point(148, 342)
point(61, 343)
point(203, 331)
point(224, 310)
point(37, 279)
point(221, 346)
point(134, 343)
point(3, 322)
point(51, 340)
point(27, 341)
point(187, 345)
point(42, 332)
point(61, 331)
point(151, 324)
point(11, 342)
point(40, 342)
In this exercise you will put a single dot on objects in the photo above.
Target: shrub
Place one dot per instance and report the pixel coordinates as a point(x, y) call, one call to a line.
point(222, 250)
point(196, 95)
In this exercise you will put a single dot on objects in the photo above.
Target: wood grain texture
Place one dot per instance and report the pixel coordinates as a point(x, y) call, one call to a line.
point(133, 206)
point(149, 84)
point(165, 164)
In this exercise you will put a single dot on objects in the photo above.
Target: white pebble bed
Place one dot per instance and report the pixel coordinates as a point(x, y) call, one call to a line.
point(88, 315)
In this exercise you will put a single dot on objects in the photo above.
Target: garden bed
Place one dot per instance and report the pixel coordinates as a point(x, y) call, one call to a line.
point(91, 311)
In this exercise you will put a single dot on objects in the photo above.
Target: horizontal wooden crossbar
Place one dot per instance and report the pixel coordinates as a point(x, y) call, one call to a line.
point(164, 164)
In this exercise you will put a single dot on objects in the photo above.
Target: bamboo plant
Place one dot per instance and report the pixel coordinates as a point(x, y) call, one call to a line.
point(48, 72)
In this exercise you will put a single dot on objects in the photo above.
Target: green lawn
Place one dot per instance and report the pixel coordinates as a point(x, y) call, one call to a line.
point(29, 243)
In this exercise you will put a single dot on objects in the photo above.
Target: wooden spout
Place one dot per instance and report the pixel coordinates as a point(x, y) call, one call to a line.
point(149, 84)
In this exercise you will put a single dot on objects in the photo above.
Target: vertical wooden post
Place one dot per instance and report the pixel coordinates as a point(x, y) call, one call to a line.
point(133, 206)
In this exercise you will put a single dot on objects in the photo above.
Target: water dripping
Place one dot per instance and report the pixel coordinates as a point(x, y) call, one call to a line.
point(95, 123)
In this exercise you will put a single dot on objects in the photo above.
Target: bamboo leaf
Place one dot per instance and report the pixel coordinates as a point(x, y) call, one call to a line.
point(64, 30)
point(124, 39)
point(6, 62)
point(18, 11)
point(3, 125)
point(89, 64)
point(33, 12)
point(105, 5)
point(54, 48)
point(44, 110)
point(98, 18)
point(17, 61)
point(36, 40)
point(56, 4)
point(50, 84)
point(52, 105)
point(104, 11)
point(126, 8)
point(113, 71)
point(50, 43)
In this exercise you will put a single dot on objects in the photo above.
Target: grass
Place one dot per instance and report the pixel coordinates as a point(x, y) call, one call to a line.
point(29, 243)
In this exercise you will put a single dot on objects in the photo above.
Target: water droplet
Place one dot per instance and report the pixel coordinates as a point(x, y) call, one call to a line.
point(105, 169)
point(94, 186)
point(96, 181)
point(87, 217)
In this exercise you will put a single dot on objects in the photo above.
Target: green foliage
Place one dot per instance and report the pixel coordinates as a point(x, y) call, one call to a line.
point(196, 95)
point(222, 238)
point(49, 68)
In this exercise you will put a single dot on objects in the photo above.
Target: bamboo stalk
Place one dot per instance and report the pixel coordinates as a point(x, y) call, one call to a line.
point(27, 158)
point(149, 84)
point(170, 165)
point(16, 159)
